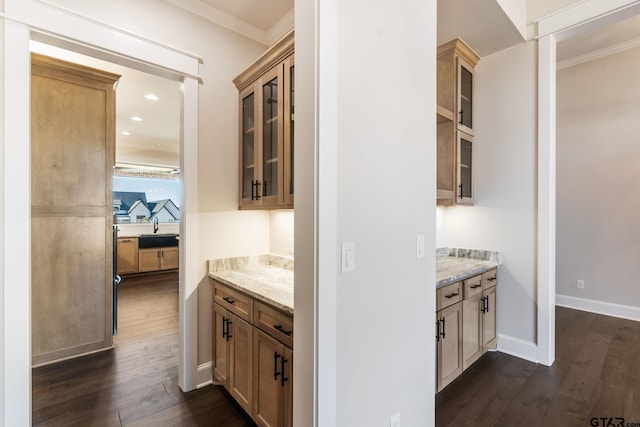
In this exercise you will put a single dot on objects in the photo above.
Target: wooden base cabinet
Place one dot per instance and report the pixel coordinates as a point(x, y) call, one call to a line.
point(252, 355)
point(466, 327)
point(273, 366)
point(158, 259)
point(127, 255)
point(233, 352)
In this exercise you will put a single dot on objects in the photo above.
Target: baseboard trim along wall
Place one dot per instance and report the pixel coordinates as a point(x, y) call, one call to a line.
point(599, 307)
point(204, 376)
point(519, 348)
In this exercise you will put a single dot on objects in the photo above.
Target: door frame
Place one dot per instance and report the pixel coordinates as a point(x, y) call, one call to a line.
point(25, 20)
point(580, 18)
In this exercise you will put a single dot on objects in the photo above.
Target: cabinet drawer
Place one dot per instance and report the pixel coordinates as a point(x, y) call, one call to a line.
point(490, 279)
point(472, 286)
point(448, 295)
point(234, 301)
point(274, 322)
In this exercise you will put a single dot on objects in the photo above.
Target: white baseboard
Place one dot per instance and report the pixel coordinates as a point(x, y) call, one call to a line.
point(599, 307)
point(519, 348)
point(204, 376)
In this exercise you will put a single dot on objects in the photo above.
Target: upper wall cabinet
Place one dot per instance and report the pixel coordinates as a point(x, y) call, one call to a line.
point(266, 129)
point(455, 115)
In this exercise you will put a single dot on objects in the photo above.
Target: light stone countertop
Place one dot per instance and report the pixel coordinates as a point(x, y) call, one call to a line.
point(452, 269)
point(266, 278)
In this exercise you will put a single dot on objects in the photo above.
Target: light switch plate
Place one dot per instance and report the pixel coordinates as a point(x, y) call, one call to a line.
point(420, 246)
point(348, 257)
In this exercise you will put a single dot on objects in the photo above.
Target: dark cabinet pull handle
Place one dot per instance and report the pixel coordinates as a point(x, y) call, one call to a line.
point(442, 320)
point(451, 295)
point(460, 187)
point(253, 190)
point(229, 336)
point(225, 332)
point(257, 190)
point(475, 286)
point(283, 379)
point(229, 300)
point(276, 356)
point(281, 329)
point(461, 116)
point(485, 304)
point(486, 301)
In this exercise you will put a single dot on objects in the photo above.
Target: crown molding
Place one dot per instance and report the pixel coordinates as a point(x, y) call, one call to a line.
point(223, 19)
point(282, 27)
point(600, 53)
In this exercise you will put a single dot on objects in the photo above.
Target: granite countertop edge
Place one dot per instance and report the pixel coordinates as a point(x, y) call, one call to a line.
point(253, 294)
point(466, 274)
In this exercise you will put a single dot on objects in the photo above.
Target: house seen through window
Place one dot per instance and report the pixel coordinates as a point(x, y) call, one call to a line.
point(141, 199)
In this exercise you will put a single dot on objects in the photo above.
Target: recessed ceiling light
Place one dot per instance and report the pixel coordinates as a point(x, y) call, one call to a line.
point(126, 133)
point(151, 97)
point(136, 119)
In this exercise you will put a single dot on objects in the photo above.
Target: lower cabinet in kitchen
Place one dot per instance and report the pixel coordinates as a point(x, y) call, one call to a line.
point(466, 324)
point(233, 352)
point(252, 357)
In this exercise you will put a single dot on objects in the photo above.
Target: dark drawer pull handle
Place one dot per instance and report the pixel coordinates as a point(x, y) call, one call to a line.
point(492, 279)
point(281, 329)
point(229, 300)
point(225, 332)
point(283, 379)
point(475, 286)
point(454, 294)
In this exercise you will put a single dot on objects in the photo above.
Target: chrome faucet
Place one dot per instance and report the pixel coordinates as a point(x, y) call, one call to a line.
point(155, 224)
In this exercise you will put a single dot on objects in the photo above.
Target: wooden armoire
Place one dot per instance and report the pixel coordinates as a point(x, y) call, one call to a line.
point(72, 158)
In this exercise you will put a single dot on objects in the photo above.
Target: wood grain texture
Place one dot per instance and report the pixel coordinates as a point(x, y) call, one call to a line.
point(136, 383)
point(72, 154)
point(596, 374)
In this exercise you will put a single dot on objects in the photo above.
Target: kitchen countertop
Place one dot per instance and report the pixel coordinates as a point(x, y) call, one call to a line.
point(267, 278)
point(452, 269)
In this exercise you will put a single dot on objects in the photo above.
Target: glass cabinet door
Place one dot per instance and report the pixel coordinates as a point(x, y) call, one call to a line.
point(271, 139)
point(289, 126)
point(465, 97)
point(248, 153)
point(465, 169)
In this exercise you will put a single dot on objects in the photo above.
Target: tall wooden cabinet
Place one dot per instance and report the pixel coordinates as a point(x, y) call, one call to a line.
point(72, 156)
point(455, 123)
point(448, 333)
point(266, 129)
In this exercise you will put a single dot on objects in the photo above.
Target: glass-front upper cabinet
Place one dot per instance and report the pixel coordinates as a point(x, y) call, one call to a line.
point(465, 96)
point(289, 126)
point(266, 129)
point(465, 169)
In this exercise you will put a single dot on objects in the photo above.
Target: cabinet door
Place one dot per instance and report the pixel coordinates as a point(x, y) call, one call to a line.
point(465, 96)
point(489, 336)
point(270, 135)
point(169, 258)
point(471, 330)
point(127, 255)
point(220, 345)
point(449, 337)
point(148, 260)
point(465, 169)
point(289, 125)
point(240, 361)
point(248, 148)
point(268, 382)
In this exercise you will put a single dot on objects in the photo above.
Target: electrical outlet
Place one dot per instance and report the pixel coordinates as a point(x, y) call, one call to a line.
point(348, 257)
point(395, 420)
point(580, 284)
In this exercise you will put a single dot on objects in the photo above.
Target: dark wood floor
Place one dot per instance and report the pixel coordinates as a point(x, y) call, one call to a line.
point(135, 384)
point(596, 375)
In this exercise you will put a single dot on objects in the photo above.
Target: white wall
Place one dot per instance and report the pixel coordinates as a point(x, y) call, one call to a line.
point(281, 232)
point(503, 217)
point(385, 198)
point(598, 160)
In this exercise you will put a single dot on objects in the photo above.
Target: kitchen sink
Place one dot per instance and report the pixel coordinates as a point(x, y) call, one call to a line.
point(157, 240)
